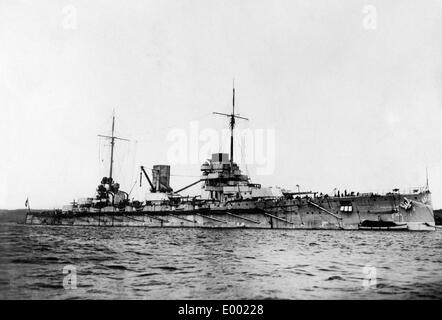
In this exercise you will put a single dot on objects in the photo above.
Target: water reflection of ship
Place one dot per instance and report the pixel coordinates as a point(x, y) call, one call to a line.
point(231, 201)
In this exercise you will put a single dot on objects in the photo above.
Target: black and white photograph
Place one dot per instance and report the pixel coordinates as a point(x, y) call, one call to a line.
point(222, 150)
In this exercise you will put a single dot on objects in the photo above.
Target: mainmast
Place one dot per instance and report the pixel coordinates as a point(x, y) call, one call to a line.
point(112, 139)
point(232, 117)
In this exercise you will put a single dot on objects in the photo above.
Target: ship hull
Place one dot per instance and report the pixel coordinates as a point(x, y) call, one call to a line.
point(336, 213)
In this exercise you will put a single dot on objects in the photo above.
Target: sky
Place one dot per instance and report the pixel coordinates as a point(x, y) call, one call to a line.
point(339, 94)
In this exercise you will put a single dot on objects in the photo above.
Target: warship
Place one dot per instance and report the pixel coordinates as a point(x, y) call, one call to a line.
point(232, 201)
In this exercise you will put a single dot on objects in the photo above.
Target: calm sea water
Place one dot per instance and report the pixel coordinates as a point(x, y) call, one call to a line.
point(142, 263)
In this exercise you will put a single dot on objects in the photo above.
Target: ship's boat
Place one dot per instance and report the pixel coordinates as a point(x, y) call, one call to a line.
point(382, 225)
point(230, 200)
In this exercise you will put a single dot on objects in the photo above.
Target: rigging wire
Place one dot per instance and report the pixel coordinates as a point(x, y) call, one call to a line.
point(184, 175)
point(99, 150)
point(133, 159)
point(243, 161)
point(155, 131)
point(132, 187)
